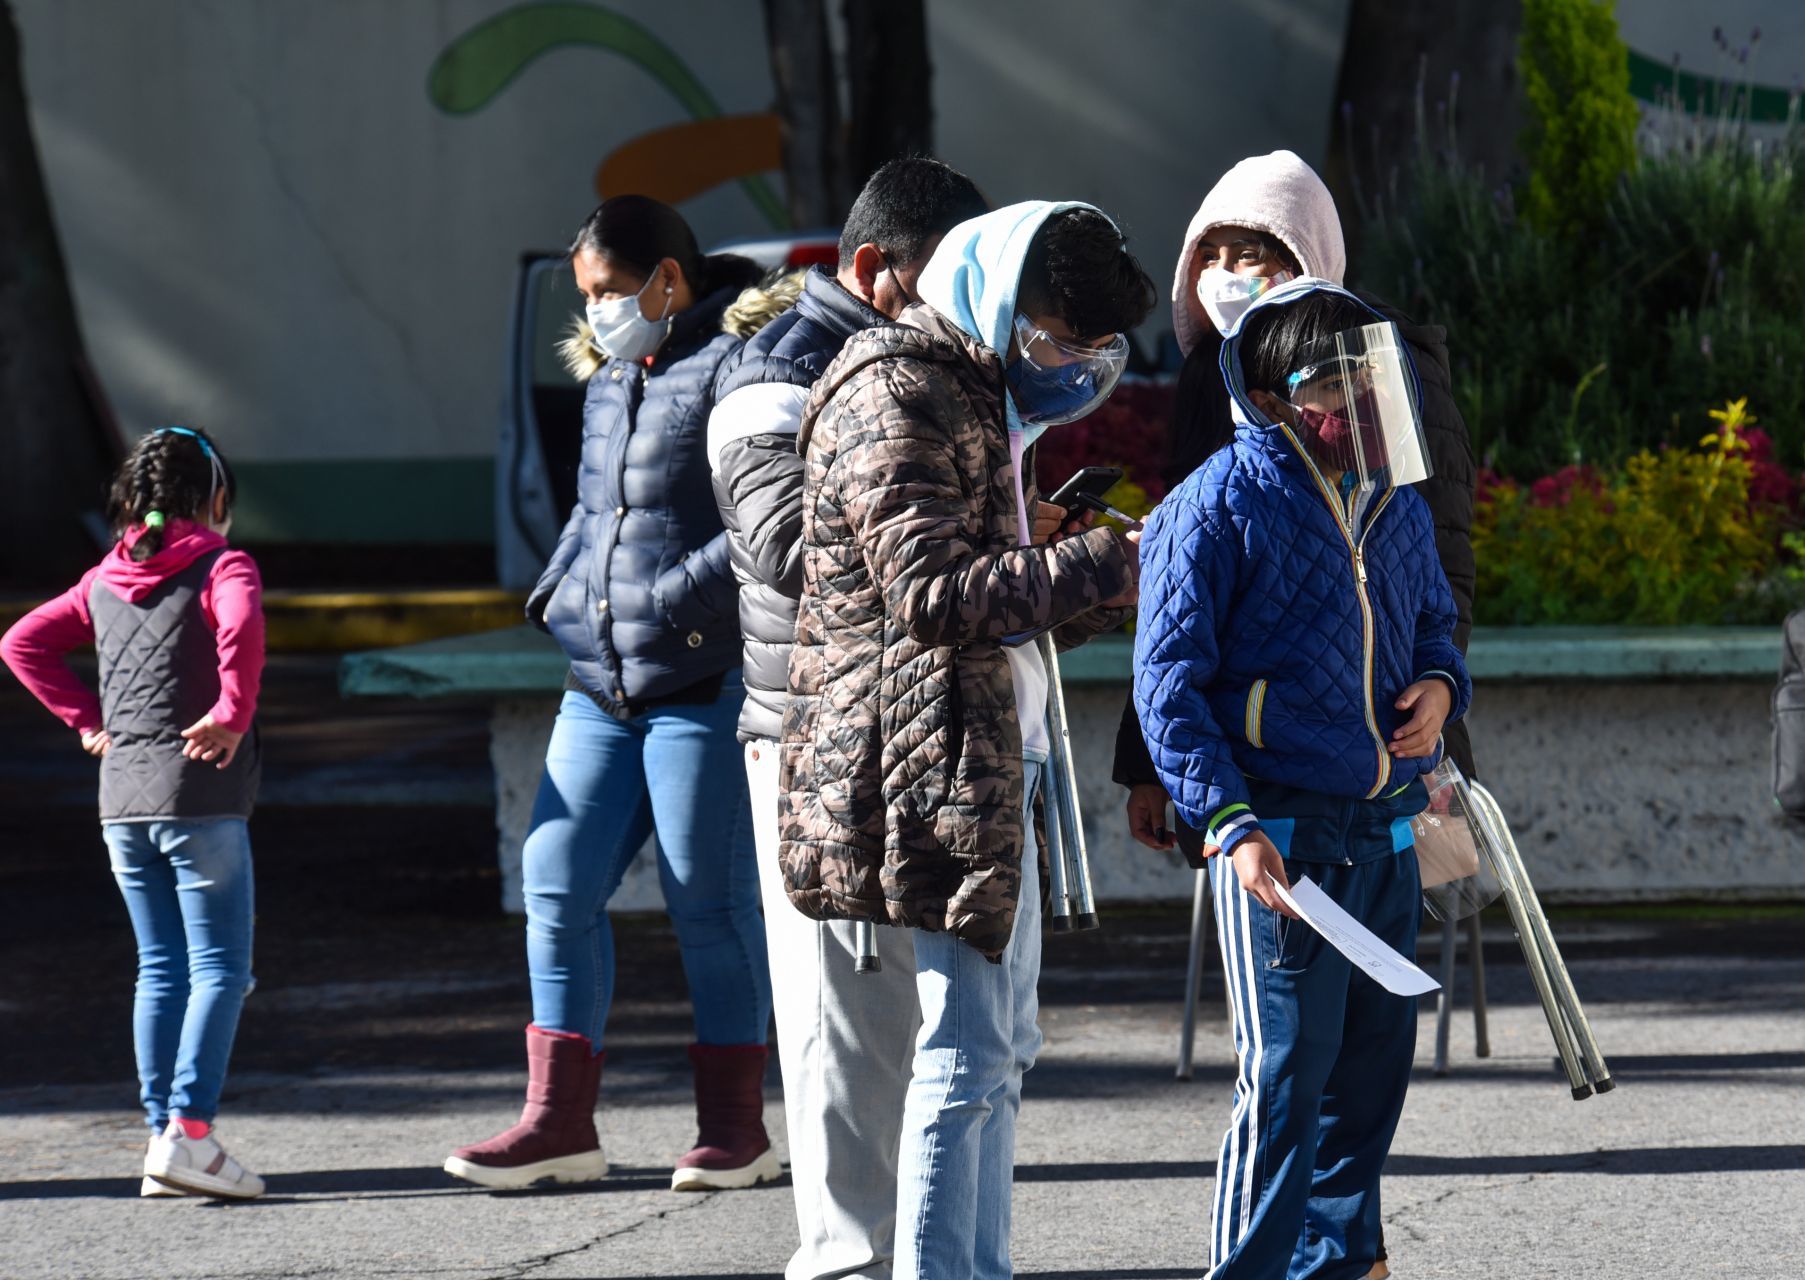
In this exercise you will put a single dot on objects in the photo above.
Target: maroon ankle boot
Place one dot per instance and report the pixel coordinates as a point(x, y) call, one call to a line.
point(555, 1139)
point(732, 1149)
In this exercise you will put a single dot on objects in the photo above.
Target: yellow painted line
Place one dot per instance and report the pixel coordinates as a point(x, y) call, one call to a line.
point(342, 621)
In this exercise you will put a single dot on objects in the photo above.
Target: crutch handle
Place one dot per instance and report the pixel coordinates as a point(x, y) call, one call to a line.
point(864, 936)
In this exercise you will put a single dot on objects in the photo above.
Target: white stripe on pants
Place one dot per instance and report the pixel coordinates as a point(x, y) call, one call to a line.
point(845, 1044)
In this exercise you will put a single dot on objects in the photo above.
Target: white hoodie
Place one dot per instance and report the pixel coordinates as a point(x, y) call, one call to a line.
point(1278, 194)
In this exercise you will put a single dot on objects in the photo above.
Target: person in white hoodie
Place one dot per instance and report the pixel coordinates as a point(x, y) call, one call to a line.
point(1267, 220)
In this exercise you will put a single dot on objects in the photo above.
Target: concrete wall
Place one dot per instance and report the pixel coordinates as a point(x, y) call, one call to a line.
point(273, 230)
point(1615, 792)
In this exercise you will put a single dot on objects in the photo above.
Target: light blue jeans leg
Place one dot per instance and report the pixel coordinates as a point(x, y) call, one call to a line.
point(707, 864)
point(189, 890)
point(979, 1035)
point(589, 819)
point(606, 783)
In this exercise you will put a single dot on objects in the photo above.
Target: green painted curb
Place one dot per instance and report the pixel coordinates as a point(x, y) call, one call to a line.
point(522, 661)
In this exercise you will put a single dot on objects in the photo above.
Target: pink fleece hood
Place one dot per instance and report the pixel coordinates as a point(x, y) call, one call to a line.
point(1278, 194)
point(184, 542)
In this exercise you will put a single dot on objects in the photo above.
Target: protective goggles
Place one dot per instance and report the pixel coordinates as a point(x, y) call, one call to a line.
point(1055, 381)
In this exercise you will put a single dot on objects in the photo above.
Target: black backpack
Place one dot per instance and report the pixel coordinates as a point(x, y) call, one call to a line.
point(1789, 720)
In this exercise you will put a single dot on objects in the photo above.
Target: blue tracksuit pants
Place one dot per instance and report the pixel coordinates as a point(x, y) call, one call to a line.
point(1325, 1056)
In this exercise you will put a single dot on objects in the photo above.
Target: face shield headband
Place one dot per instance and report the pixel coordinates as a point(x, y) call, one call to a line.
point(1356, 404)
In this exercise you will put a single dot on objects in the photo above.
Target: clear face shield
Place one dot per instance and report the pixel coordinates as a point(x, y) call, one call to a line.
point(1356, 405)
point(1455, 849)
point(1053, 381)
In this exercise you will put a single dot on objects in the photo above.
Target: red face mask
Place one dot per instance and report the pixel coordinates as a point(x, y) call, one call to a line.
point(1330, 436)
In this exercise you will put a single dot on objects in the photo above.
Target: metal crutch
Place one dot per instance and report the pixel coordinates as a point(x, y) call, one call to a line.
point(1073, 905)
point(1579, 1053)
point(1578, 1025)
point(1200, 928)
point(864, 937)
point(1203, 918)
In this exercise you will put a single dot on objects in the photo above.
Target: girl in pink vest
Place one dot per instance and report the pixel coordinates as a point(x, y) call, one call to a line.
point(176, 620)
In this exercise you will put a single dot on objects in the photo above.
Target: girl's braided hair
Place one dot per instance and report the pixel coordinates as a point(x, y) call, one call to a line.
point(171, 474)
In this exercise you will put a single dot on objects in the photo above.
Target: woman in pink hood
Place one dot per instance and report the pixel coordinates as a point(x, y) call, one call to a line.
point(1267, 220)
point(1270, 219)
point(176, 620)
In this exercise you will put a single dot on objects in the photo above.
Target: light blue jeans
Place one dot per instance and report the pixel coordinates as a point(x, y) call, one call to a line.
point(608, 784)
point(188, 890)
point(979, 1035)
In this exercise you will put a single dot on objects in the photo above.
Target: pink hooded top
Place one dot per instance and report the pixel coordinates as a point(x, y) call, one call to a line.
point(1278, 194)
point(38, 646)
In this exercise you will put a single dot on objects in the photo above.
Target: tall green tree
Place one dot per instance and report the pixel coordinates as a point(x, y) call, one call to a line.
point(1580, 136)
point(59, 447)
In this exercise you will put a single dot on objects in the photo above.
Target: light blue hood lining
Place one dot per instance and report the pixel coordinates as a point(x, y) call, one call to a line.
point(976, 273)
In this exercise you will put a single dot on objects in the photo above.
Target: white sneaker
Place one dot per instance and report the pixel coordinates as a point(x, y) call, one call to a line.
point(151, 1189)
point(199, 1166)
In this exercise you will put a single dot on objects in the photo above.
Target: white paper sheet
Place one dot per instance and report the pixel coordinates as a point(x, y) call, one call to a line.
point(1354, 940)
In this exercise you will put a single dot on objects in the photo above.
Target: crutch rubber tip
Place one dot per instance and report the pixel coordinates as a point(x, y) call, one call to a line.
point(1581, 1092)
point(868, 964)
point(1085, 920)
point(1605, 1085)
point(1062, 924)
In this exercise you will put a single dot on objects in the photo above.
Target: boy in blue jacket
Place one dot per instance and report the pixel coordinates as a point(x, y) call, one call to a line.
point(1294, 666)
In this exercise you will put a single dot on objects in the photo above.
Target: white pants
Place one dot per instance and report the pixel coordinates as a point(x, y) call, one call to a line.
point(845, 1046)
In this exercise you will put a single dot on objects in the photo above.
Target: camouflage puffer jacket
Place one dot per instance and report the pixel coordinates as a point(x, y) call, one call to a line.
point(901, 775)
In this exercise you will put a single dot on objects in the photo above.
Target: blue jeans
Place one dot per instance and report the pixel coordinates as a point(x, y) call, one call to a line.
point(608, 784)
point(979, 1035)
point(188, 890)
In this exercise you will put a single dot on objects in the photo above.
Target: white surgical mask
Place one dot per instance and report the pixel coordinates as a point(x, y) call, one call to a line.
point(620, 330)
point(1225, 295)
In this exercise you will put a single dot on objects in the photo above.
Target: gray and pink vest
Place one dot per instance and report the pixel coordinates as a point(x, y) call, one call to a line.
point(159, 673)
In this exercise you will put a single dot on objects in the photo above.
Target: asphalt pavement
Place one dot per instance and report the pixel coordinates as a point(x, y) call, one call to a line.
point(385, 1030)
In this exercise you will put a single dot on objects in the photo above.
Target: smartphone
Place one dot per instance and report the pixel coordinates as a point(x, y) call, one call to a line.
point(1092, 481)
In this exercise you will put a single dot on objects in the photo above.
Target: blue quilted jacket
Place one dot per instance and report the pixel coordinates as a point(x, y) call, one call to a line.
point(640, 592)
point(1273, 639)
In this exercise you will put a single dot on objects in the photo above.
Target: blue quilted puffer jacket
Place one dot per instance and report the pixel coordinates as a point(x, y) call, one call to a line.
point(1273, 639)
point(640, 592)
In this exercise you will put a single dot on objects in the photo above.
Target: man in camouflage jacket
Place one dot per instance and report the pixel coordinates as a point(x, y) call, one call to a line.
point(901, 788)
point(916, 732)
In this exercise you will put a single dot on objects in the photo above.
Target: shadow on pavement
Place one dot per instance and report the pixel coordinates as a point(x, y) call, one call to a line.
point(1632, 1161)
point(346, 1183)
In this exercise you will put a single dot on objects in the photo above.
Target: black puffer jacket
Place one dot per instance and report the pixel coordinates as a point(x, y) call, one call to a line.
point(1201, 425)
point(640, 591)
point(758, 478)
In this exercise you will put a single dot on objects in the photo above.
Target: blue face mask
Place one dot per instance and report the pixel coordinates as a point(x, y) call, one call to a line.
point(1050, 396)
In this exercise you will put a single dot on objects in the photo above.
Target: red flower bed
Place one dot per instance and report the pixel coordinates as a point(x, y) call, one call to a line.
point(1129, 431)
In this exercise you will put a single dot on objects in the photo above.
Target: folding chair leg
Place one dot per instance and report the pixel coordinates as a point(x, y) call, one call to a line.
point(1482, 1040)
point(1200, 930)
point(1444, 999)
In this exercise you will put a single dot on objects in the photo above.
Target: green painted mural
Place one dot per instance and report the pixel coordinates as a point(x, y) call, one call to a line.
point(717, 148)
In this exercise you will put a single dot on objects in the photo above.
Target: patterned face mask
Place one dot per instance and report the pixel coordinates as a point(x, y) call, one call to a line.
point(1225, 295)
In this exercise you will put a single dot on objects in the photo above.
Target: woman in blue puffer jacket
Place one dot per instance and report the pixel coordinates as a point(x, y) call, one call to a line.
point(640, 594)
